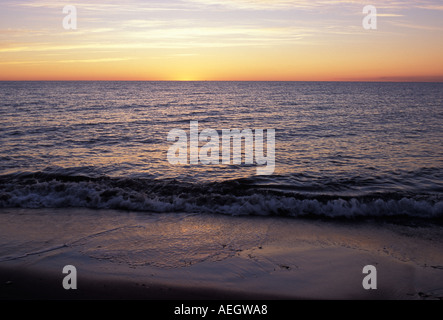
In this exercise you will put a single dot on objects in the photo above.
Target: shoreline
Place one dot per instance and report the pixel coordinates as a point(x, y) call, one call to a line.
point(132, 256)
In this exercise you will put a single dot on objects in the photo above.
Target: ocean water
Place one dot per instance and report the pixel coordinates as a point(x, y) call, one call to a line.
point(341, 149)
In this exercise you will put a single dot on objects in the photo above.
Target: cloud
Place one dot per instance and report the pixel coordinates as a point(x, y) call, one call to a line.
point(98, 60)
point(139, 5)
point(172, 38)
point(109, 6)
point(389, 15)
point(409, 25)
point(117, 31)
point(431, 7)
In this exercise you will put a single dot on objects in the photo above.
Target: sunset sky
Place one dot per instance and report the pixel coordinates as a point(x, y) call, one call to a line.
point(222, 40)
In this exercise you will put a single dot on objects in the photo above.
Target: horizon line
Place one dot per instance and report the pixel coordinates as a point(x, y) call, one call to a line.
point(438, 80)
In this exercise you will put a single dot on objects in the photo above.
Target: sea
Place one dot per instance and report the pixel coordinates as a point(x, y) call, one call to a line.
point(343, 150)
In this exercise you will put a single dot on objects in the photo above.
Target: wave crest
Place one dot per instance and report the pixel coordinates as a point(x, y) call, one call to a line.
point(234, 197)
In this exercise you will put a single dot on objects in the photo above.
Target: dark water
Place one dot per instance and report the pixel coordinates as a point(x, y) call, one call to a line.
point(341, 149)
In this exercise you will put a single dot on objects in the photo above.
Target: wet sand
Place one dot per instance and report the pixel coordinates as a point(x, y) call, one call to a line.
point(129, 255)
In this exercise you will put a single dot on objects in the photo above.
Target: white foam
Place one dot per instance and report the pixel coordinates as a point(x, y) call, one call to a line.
point(91, 195)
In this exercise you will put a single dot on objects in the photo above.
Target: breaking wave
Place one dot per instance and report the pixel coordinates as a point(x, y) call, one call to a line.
point(248, 196)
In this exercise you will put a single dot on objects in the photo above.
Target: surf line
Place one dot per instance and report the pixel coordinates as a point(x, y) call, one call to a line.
point(214, 150)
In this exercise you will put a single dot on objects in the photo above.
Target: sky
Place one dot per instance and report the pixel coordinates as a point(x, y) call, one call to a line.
point(251, 40)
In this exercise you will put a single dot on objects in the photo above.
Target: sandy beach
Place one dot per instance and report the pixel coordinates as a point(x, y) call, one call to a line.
point(129, 255)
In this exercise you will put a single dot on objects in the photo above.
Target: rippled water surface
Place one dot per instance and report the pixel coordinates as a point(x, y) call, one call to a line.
point(341, 148)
